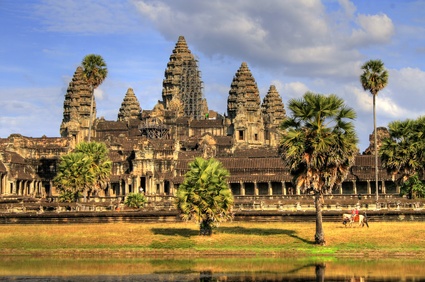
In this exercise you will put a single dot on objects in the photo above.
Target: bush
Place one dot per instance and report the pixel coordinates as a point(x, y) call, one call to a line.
point(135, 200)
point(67, 196)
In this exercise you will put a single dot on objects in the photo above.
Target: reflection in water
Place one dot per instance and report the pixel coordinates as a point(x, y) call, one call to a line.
point(208, 270)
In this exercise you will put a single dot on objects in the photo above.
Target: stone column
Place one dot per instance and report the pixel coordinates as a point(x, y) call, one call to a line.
point(283, 188)
point(255, 188)
point(270, 188)
point(384, 189)
point(354, 187)
point(369, 191)
point(242, 188)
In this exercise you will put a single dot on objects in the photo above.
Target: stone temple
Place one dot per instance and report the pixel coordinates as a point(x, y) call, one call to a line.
point(151, 149)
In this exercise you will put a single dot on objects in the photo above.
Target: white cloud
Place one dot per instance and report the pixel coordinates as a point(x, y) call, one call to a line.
point(374, 29)
point(290, 90)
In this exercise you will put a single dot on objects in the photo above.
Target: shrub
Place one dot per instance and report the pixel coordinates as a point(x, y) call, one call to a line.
point(135, 200)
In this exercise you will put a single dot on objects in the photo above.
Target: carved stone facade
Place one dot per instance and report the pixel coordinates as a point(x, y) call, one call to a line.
point(151, 149)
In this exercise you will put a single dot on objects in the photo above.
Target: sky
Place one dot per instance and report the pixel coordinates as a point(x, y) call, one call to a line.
point(296, 45)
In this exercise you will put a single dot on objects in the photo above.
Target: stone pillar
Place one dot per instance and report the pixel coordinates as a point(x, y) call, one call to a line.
point(298, 191)
point(126, 187)
point(369, 191)
point(283, 188)
point(255, 188)
point(383, 189)
point(242, 188)
point(354, 187)
point(137, 184)
point(172, 192)
point(270, 188)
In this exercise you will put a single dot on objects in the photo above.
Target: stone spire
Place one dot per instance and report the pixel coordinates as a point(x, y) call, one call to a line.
point(243, 92)
point(273, 115)
point(130, 107)
point(243, 109)
point(183, 83)
point(76, 107)
point(382, 133)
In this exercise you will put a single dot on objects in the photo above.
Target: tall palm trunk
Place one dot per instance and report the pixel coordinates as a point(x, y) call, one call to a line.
point(375, 147)
point(319, 237)
point(91, 111)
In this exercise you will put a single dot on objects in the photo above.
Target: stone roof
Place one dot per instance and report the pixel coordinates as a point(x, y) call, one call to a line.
point(130, 107)
point(2, 167)
point(107, 125)
point(207, 123)
point(13, 157)
point(256, 153)
point(272, 107)
point(243, 92)
point(224, 140)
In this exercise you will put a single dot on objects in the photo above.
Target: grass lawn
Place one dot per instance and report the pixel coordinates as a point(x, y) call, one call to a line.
point(381, 240)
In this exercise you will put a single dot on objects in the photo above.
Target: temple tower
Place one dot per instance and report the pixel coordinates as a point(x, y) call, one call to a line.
point(130, 107)
point(243, 109)
point(182, 86)
point(273, 115)
point(76, 108)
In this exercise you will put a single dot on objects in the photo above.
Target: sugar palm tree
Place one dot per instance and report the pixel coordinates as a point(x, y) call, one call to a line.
point(319, 145)
point(74, 174)
point(374, 79)
point(87, 169)
point(205, 195)
point(95, 71)
point(403, 152)
point(100, 164)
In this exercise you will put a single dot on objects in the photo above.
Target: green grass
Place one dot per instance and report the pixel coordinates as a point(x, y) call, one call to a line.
point(382, 239)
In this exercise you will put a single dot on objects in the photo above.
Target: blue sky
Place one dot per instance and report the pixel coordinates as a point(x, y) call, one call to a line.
point(296, 45)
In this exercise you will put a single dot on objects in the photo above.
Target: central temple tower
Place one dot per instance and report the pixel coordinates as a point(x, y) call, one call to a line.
point(182, 88)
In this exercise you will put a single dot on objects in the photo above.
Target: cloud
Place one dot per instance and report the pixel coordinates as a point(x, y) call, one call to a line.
point(373, 29)
point(296, 38)
point(25, 107)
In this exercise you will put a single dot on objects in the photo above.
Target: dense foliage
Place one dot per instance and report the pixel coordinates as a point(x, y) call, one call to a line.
point(403, 155)
point(86, 169)
point(205, 195)
point(135, 200)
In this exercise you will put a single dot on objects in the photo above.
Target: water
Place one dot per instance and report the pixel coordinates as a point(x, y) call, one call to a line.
point(15, 268)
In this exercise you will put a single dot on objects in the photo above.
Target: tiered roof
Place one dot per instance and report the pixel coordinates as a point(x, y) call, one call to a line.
point(243, 92)
point(130, 107)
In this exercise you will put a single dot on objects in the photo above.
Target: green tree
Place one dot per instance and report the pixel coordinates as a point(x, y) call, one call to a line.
point(374, 78)
point(95, 72)
point(135, 200)
point(87, 169)
point(403, 154)
point(319, 145)
point(74, 174)
point(101, 165)
point(205, 195)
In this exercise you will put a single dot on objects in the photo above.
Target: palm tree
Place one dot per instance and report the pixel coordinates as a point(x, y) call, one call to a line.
point(87, 169)
point(204, 195)
point(374, 79)
point(74, 174)
point(403, 152)
point(100, 164)
point(95, 71)
point(319, 145)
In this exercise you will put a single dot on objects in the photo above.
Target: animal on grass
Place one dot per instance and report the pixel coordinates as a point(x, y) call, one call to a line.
point(348, 219)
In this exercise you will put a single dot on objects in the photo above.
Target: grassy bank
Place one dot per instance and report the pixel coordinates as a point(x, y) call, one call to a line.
point(385, 239)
